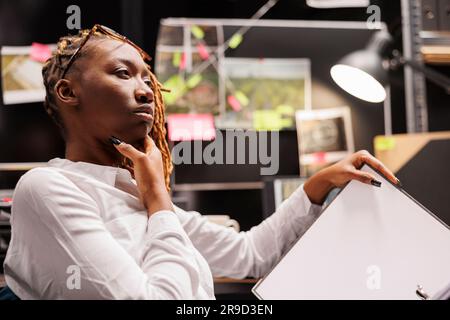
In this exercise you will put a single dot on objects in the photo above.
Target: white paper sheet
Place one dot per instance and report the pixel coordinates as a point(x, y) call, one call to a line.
point(369, 243)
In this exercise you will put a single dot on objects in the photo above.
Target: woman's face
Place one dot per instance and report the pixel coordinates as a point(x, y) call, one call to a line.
point(114, 94)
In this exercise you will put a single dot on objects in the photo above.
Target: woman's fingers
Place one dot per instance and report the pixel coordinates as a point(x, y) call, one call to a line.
point(378, 165)
point(126, 149)
point(365, 177)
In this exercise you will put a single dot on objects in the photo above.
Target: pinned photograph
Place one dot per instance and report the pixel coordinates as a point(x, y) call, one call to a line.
point(324, 136)
point(22, 73)
point(264, 94)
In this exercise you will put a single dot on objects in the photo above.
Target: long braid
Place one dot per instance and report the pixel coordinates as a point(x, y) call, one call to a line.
point(158, 132)
point(52, 72)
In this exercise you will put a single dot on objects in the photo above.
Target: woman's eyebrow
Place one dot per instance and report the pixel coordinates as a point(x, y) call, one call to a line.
point(130, 64)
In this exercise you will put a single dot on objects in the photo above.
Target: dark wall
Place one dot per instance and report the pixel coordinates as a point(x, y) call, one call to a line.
point(26, 21)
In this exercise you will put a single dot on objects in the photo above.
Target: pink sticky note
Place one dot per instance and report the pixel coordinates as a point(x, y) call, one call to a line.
point(186, 127)
point(234, 103)
point(183, 61)
point(319, 157)
point(40, 52)
point(202, 51)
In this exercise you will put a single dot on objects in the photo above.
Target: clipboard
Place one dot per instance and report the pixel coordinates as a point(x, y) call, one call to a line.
point(368, 243)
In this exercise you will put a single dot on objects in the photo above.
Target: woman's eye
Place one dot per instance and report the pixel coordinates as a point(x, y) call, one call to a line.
point(123, 73)
point(148, 82)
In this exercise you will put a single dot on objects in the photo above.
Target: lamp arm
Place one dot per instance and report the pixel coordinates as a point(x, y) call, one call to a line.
point(434, 76)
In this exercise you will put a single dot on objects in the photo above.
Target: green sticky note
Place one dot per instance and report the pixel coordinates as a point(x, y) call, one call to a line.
point(177, 88)
point(176, 59)
point(267, 120)
point(384, 143)
point(287, 114)
point(285, 109)
point(197, 32)
point(194, 80)
point(242, 98)
point(235, 41)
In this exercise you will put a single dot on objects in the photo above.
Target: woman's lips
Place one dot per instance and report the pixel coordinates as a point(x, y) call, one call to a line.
point(144, 116)
point(145, 112)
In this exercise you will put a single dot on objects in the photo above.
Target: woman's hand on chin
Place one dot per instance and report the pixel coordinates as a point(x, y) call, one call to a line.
point(148, 172)
point(340, 173)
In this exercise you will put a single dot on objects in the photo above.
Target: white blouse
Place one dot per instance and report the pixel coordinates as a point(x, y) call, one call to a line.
point(79, 231)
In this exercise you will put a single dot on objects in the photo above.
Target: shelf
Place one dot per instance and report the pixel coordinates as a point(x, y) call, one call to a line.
point(436, 54)
point(435, 47)
point(231, 280)
point(4, 223)
point(435, 38)
point(218, 186)
point(21, 166)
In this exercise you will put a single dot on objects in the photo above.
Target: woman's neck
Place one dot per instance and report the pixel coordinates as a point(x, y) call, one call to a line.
point(97, 151)
point(93, 151)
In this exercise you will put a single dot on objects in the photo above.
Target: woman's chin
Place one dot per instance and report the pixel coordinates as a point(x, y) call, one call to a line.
point(135, 135)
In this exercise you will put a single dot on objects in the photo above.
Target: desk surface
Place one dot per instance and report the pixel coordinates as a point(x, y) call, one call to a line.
point(236, 281)
point(238, 289)
point(225, 286)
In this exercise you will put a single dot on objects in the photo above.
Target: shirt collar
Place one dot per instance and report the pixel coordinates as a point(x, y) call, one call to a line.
point(106, 174)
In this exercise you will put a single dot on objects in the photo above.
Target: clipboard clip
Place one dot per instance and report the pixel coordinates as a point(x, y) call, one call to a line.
point(421, 293)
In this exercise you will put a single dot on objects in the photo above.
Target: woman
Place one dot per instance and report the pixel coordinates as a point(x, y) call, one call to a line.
point(100, 224)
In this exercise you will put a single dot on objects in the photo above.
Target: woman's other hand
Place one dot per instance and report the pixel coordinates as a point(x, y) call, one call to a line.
point(340, 173)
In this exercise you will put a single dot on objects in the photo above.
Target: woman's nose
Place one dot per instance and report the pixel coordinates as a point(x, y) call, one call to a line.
point(144, 95)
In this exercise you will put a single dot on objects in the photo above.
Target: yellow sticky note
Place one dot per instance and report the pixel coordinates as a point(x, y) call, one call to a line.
point(384, 143)
point(266, 120)
point(235, 41)
point(285, 109)
point(177, 88)
point(197, 32)
point(176, 59)
point(287, 114)
point(242, 98)
point(194, 80)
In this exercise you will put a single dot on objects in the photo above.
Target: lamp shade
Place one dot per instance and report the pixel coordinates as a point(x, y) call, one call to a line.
point(361, 73)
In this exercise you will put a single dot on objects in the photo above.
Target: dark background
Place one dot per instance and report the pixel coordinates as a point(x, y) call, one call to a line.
point(25, 21)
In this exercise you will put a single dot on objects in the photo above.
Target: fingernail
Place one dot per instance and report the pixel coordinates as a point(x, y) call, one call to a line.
point(114, 140)
point(375, 183)
point(399, 183)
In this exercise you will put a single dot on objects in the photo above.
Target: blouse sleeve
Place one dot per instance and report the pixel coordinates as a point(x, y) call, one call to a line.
point(64, 237)
point(252, 253)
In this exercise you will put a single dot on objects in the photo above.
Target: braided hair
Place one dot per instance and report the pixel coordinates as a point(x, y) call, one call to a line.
point(52, 72)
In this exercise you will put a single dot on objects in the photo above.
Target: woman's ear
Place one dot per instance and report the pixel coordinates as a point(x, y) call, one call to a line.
point(65, 92)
